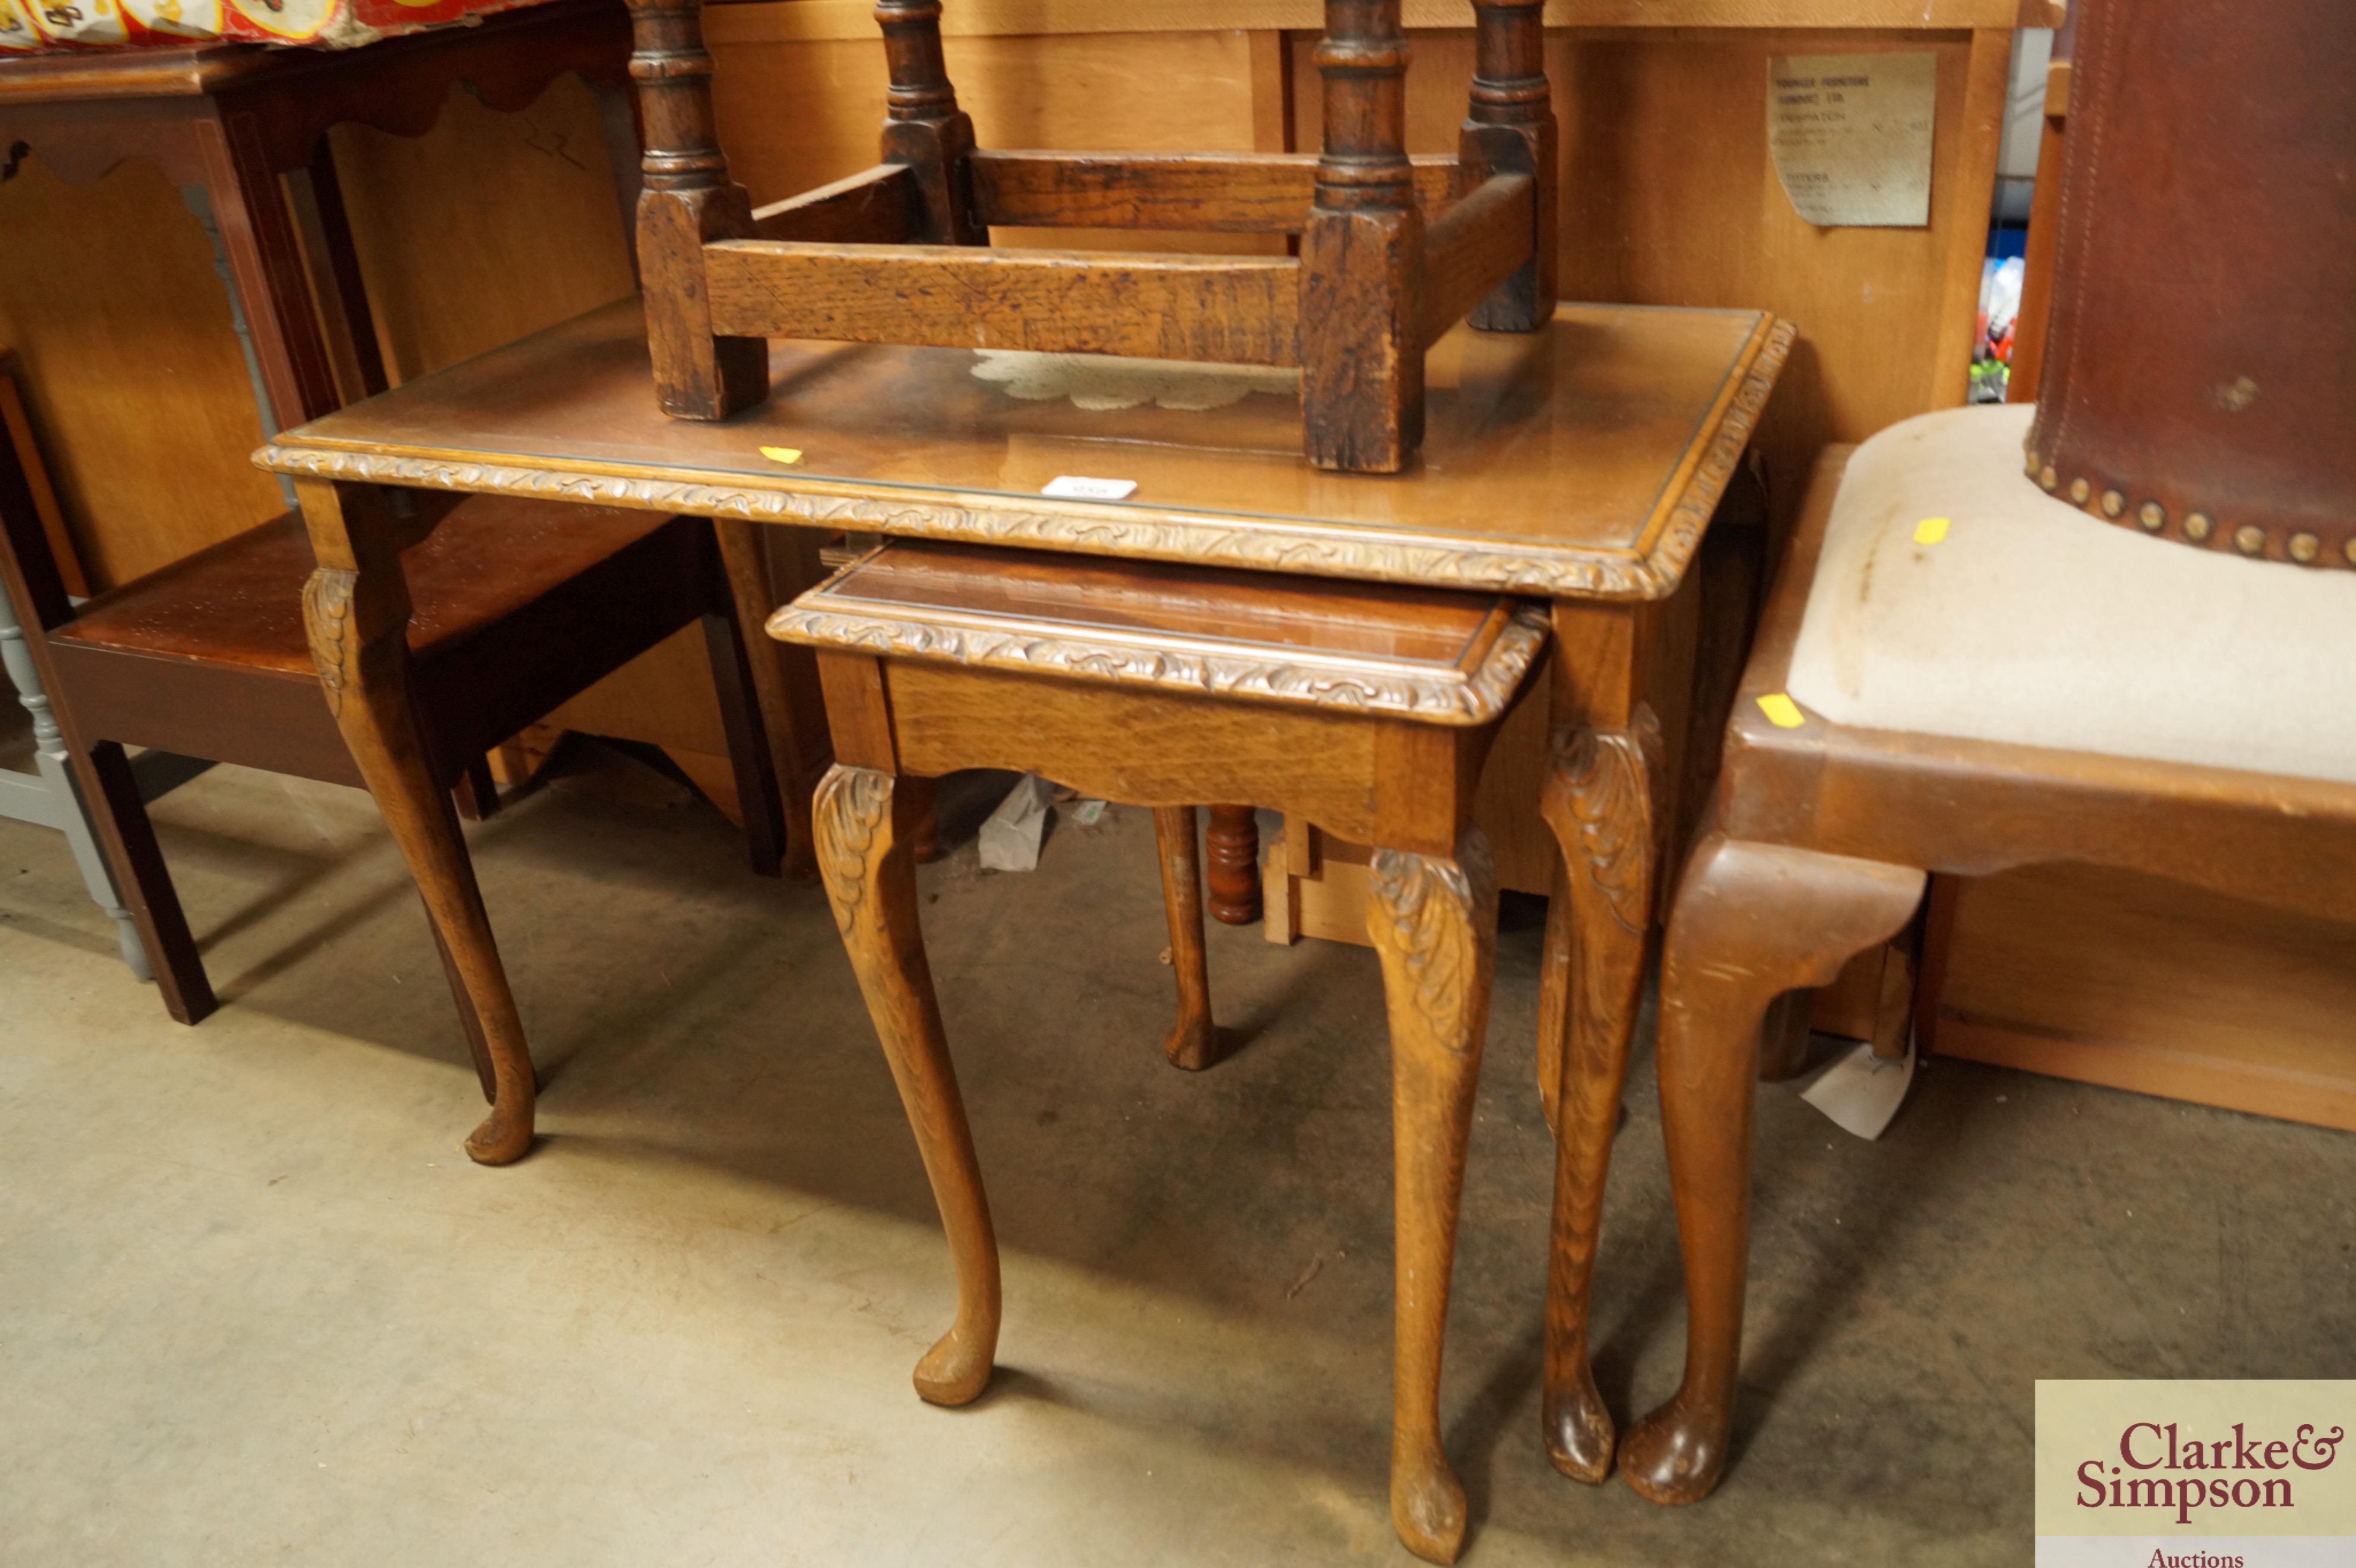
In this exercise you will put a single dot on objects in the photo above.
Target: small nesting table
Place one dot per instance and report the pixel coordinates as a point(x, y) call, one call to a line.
point(1367, 708)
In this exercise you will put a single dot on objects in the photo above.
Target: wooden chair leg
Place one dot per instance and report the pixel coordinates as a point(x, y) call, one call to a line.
point(774, 701)
point(1434, 922)
point(111, 793)
point(1193, 1041)
point(1752, 921)
point(1599, 798)
point(1234, 841)
point(478, 1044)
point(356, 608)
point(475, 797)
point(758, 797)
point(865, 827)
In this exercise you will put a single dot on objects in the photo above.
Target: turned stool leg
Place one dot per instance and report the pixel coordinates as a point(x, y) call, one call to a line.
point(1598, 799)
point(1193, 1041)
point(1361, 283)
point(1234, 843)
point(923, 128)
point(1434, 922)
point(1752, 921)
point(1509, 129)
point(864, 830)
point(687, 198)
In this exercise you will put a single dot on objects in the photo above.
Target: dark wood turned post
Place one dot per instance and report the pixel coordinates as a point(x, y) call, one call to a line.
point(1362, 254)
point(688, 200)
point(1510, 129)
point(923, 128)
point(1234, 841)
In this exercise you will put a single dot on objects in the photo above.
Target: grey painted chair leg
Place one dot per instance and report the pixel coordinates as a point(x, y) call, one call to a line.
point(60, 805)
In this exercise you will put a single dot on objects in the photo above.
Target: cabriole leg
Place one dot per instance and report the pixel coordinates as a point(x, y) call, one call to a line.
point(1599, 800)
point(355, 606)
point(1434, 922)
point(865, 829)
point(1752, 921)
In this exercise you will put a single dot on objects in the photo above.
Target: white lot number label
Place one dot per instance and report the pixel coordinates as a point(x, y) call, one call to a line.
point(1076, 487)
point(1851, 135)
point(2195, 1474)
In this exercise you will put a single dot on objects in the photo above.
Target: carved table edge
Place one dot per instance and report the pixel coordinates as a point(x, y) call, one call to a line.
point(1694, 506)
point(1284, 545)
point(1198, 670)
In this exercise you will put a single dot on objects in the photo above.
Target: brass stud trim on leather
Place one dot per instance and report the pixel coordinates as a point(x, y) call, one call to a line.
point(2113, 503)
point(2047, 478)
point(2080, 490)
point(2348, 549)
point(2152, 515)
point(2304, 547)
point(2197, 526)
point(2250, 539)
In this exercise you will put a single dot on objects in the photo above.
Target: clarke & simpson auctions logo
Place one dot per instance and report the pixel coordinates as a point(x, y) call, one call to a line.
point(2195, 1474)
point(2146, 1445)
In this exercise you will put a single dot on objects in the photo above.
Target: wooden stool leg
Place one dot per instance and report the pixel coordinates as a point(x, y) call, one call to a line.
point(923, 128)
point(1752, 921)
point(686, 200)
point(355, 607)
point(1434, 922)
point(1234, 841)
point(1599, 800)
point(863, 828)
point(1509, 129)
point(1362, 280)
point(1193, 1041)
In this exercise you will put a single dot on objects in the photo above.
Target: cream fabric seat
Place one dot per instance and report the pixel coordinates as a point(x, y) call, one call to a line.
point(2035, 623)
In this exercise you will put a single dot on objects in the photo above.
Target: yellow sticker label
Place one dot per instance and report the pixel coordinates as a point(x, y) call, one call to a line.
point(782, 453)
point(1931, 530)
point(1781, 711)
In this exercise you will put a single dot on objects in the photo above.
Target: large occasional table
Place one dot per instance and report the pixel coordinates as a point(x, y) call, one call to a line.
point(1578, 465)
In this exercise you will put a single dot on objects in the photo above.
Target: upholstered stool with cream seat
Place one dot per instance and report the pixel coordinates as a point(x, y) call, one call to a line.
point(1960, 673)
point(1953, 597)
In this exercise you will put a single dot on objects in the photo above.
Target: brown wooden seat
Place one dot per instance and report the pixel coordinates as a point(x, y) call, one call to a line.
point(493, 585)
point(517, 605)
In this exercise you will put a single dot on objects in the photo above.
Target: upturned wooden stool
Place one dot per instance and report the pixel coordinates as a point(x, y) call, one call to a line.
point(1367, 709)
point(1394, 251)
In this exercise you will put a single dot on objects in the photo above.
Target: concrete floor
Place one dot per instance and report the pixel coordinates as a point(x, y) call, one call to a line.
point(256, 1306)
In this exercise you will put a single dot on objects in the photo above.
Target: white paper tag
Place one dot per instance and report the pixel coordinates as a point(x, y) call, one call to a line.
point(1075, 487)
point(1851, 135)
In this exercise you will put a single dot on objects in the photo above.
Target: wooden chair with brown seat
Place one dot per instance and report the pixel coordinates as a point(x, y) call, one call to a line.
point(2139, 653)
point(517, 606)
